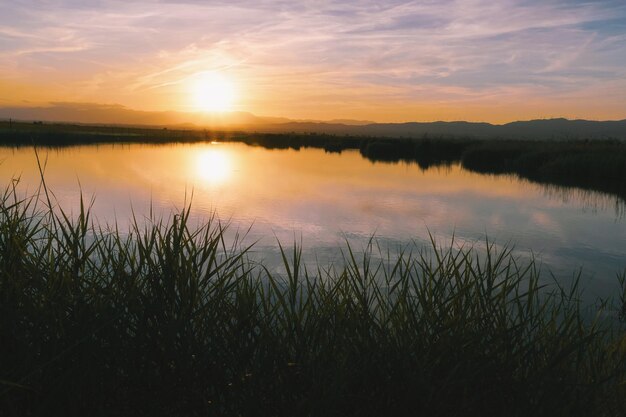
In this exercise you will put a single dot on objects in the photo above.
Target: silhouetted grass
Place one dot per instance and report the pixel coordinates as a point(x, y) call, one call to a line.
point(597, 165)
point(426, 152)
point(62, 134)
point(168, 319)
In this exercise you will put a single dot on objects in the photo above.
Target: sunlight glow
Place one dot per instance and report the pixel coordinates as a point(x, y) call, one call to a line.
point(213, 165)
point(213, 92)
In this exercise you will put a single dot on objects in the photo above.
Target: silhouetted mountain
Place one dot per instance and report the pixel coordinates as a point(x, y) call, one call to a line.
point(119, 115)
point(564, 129)
point(534, 129)
point(349, 122)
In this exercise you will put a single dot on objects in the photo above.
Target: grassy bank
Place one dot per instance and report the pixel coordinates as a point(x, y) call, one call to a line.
point(168, 319)
point(599, 166)
point(593, 165)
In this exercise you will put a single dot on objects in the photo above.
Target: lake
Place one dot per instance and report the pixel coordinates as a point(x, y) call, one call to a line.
point(325, 199)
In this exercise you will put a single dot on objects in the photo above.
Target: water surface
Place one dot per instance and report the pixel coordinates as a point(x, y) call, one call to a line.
point(328, 198)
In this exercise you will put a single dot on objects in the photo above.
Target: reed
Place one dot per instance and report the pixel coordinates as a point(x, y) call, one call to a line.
point(170, 319)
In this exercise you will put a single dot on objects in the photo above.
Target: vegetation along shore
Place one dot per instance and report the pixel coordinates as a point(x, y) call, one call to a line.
point(598, 164)
point(168, 319)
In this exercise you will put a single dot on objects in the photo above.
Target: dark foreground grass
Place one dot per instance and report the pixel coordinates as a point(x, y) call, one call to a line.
point(170, 320)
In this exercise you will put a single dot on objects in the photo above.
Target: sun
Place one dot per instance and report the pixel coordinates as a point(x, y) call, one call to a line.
point(213, 92)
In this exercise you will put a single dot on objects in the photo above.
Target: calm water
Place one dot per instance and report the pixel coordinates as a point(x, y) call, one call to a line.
point(325, 199)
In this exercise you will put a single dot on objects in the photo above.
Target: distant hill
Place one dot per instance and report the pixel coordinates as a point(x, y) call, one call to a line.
point(534, 129)
point(119, 115)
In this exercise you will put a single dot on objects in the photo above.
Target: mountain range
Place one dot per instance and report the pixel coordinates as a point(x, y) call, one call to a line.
point(89, 113)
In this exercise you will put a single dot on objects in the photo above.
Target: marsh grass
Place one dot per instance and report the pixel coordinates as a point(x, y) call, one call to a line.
point(169, 319)
point(599, 165)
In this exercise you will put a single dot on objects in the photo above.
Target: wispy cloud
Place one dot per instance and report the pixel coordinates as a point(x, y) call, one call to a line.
point(344, 54)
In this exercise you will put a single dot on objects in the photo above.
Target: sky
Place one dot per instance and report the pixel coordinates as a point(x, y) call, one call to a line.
point(385, 61)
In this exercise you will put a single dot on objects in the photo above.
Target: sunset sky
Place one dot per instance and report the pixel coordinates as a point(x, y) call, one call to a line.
point(475, 60)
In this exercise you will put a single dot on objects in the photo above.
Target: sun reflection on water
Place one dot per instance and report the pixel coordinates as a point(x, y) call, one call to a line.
point(213, 165)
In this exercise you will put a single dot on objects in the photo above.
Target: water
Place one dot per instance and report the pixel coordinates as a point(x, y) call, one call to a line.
point(328, 198)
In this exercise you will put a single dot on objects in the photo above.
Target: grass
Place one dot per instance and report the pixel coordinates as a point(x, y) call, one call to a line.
point(170, 319)
point(599, 166)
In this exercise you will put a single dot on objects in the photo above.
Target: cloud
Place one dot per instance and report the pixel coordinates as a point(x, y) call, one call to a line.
point(354, 51)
